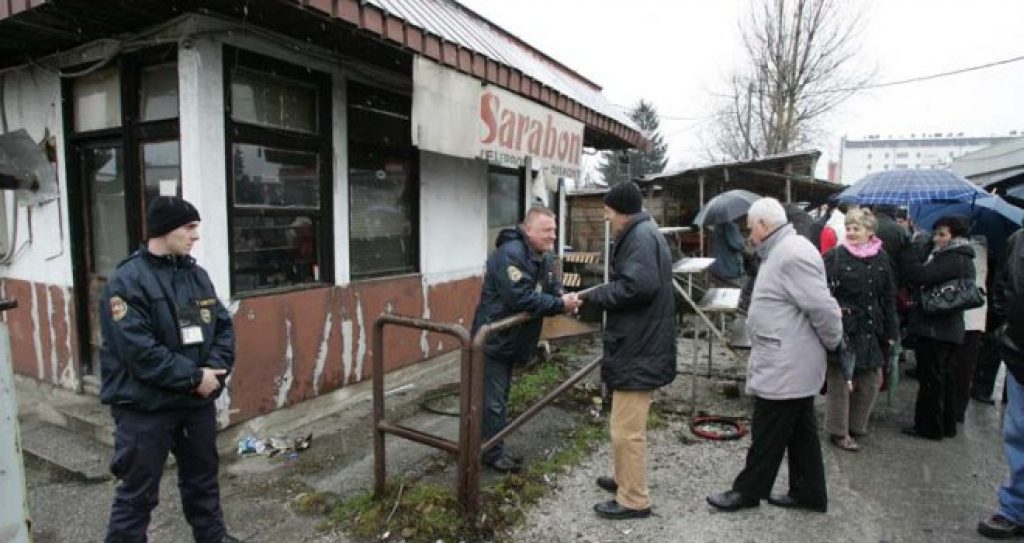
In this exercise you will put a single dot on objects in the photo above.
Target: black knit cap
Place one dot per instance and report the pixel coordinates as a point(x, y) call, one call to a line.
point(166, 213)
point(625, 198)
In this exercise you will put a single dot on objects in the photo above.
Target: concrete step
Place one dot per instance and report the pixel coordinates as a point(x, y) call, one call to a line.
point(91, 384)
point(65, 451)
point(79, 413)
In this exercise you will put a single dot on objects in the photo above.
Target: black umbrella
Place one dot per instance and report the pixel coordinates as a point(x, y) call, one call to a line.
point(726, 207)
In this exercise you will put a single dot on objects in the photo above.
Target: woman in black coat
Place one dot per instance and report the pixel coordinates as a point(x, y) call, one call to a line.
point(937, 336)
point(862, 281)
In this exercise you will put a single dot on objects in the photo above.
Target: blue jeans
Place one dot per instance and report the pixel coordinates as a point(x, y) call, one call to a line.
point(1011, 494)
point(497, 382)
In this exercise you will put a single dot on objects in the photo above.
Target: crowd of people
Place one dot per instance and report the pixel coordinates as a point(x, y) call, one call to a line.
point(830, 304)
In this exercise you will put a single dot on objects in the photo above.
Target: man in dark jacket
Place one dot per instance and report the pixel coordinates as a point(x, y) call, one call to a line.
point(168, 345)
point(639, 344)
point(520, 278)
point(1008, 303)
point(894, 238)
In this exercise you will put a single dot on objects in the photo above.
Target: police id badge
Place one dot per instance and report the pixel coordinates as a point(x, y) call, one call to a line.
point(191, 335)
point(189, 324)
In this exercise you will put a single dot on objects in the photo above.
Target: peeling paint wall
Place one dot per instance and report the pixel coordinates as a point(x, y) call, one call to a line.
point(295, 346)
point(42, 329)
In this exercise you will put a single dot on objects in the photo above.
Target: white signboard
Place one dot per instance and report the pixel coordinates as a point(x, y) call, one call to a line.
point(454, 114)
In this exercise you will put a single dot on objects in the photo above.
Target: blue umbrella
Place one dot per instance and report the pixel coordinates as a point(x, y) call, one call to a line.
point(912, 186)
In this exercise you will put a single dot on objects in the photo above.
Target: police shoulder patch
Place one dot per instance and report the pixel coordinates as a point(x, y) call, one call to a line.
point(118, 307)
point(514, 273)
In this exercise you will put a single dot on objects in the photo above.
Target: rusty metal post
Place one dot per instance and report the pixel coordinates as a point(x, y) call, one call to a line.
point(382, 427)
point(379, 465)
point(469, 437)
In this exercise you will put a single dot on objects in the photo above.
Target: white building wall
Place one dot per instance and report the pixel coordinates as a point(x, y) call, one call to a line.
point(203, 167)
point(864, 157)
point(453, 217)
point(31, 101)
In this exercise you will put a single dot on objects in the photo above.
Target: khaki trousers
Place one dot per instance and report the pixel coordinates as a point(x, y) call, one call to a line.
point(629, 446)
point(847, 411)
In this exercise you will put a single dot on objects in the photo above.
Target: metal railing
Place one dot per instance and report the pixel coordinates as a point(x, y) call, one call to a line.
point(468, 450)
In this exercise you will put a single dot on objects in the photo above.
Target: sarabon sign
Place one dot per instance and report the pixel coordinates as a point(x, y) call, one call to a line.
point(512, 127)
point(453, 114)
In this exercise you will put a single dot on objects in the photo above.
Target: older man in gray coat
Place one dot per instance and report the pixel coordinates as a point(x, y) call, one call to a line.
point(792, 321)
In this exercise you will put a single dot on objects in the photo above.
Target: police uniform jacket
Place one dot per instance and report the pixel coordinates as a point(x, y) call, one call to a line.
point(517, 280)
point(147, 362)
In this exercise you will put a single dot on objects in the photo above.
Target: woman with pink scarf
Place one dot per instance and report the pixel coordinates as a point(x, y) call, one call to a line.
point(861, 278)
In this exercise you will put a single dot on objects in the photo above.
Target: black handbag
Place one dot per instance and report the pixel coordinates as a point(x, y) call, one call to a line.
point(951, 296)
point(843, 355)
point(1009, 352)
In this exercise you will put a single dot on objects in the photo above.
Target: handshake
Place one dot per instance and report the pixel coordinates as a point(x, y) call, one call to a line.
point(572, 302)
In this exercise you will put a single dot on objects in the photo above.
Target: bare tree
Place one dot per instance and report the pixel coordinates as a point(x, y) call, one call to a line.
point(800, 66)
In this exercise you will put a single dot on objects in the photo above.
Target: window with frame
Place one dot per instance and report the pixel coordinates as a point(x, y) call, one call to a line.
point(383, 179)
point(279, 173)
point(504, 201)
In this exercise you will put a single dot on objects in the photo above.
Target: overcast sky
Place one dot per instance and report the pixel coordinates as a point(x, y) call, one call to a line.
point(678, 54)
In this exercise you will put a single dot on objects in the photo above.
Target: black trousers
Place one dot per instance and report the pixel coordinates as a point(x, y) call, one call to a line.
point(962, 365)
point(784, 427)
point(142, 442)
point(936, 408)
point(987, 367)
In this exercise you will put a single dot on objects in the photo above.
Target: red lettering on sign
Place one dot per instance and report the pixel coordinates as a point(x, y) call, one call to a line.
point(544, 137)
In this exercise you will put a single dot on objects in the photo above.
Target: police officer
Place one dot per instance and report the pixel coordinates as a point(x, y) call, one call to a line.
point(520, 277)
point(168, 345)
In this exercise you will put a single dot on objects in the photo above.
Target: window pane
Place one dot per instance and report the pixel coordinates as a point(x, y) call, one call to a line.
point(161, 170)
point(275, 251)
point(504, 194)
point(158, 92)
point(382, 199)
point(268, 100)
point(104, 175)
point(98, 100)
point(267, 177)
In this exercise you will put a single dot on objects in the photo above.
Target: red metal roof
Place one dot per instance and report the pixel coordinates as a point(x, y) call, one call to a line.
point(442, 30)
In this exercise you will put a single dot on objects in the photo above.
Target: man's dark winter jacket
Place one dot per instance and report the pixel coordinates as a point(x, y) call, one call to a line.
point(640, 337)
point(956, 260)
point(144, 364)
point(866, 291)
point(894, 240)
point(517, 280)
point(1008, 292)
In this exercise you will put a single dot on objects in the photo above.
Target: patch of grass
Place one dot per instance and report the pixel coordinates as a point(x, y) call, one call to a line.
point(419, 511)
point(532, 385)
point(312, 503)
point(656, 419)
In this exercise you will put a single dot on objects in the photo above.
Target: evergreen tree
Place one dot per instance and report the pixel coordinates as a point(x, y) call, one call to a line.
point(630, 164)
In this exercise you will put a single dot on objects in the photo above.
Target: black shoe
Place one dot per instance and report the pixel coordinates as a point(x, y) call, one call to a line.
point(789, 502)
point(912, 431)
point(612, 510)
point(999, 527)
point(504, 464)
point(608, 483)
point(732, 500)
